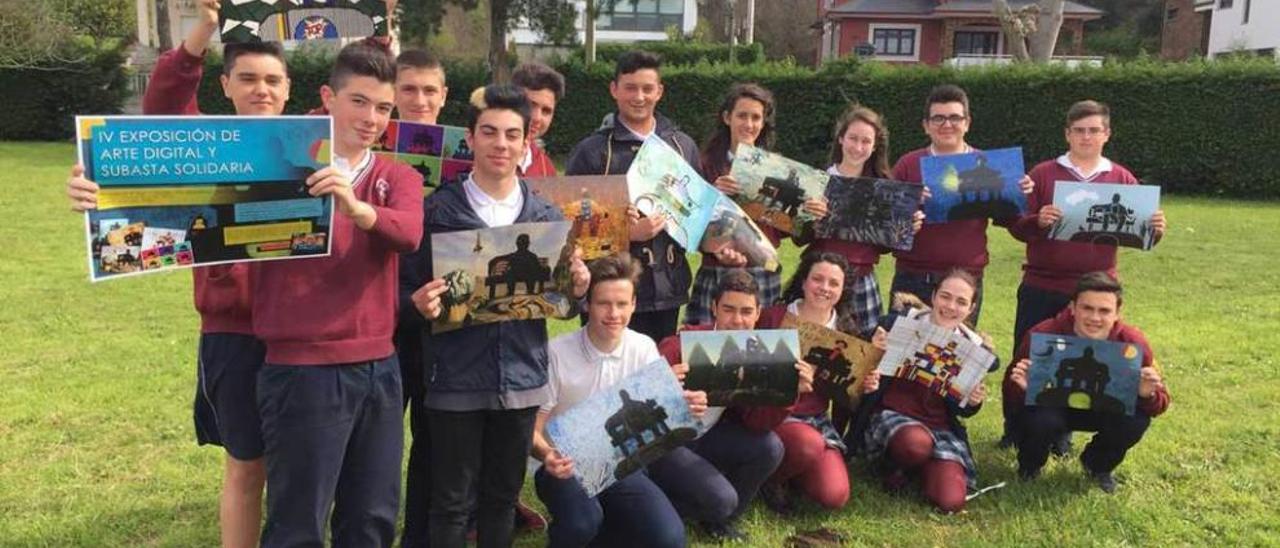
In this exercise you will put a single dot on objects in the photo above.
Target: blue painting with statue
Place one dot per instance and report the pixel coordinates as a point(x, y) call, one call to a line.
point(976, 185)
point(1085, 374)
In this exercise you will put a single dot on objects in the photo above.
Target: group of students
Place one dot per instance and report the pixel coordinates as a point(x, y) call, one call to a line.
point(306, 368)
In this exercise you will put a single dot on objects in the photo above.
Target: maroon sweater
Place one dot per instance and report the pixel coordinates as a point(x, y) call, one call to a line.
point(341, 309)
point(1064, 324)
point(221, 291)
point(940, 247)
point(1055, 265)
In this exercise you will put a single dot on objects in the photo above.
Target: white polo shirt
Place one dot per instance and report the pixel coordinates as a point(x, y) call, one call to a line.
point(494, 212)
point(577, 369)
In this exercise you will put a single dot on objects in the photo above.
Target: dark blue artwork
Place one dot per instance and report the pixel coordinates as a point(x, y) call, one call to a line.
point(871, 211)
point(975, 185)
point(1086, 374)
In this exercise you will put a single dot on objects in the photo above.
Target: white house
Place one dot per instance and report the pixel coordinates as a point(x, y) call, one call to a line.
point(645, 20)
point(1243, 26)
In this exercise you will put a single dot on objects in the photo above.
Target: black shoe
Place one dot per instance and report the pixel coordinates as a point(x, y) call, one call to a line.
point(776, 497)
point(1061, 447)
point(724, 532)
point(1028, 475)
point(1104, 480)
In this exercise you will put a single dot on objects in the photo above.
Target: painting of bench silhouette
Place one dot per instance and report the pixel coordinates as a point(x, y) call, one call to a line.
point(518, 266)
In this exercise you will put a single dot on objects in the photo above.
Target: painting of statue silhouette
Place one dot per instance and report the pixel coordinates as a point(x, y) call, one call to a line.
point(1105, 213)
point(623, 428)
point(731, 226)
point(742, 367)
point(277, 21)
point(871, 211)
point(947, 364)
point(840, 360)
point(597, 206)
point(661, 181)
point(515, 272)
point(974, 185)
point(1085, 374)
point(774, 187)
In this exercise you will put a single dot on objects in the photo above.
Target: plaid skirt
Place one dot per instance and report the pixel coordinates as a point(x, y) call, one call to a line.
point(946, 444)
point(822, 423)
point(867, 307)
point(704, 287)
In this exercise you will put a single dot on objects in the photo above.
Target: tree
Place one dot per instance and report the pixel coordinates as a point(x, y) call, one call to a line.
point(1031, 31)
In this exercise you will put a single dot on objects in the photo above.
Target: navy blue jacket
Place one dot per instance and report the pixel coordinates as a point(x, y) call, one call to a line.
point(489, 366)
point(664, 283)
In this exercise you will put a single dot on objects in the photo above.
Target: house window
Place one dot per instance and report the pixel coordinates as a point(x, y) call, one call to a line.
point(1247, 5)
point(969, 42)
point(1225, 4)
point(894, 41)
point(1171, 14)
point(643, 15)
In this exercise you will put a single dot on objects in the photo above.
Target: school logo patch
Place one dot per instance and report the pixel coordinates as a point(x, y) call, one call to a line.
point(382, 187)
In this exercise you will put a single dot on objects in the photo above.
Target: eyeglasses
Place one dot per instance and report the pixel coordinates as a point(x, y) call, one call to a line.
point(937, 120)
point(1095, 130)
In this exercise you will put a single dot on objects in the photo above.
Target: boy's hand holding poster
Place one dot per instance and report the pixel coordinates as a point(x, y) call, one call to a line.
point(621, 429)
point(871, 211)
point(732, 227)
point(1086, 374)
point(974, 185)
point(597, 205)
point(439, 153)
point(284, 20)
point(840, 360)
point(661, 182)
point(774, 188)
point(1104, 213)
point(514, 272)
point(949, 364)
point(742, 367)
point(178, 191)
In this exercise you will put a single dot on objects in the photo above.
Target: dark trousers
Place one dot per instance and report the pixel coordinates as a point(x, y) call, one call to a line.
point(656, 324)
point(1034, 306)
point(417, 490)
point(631, 512)
point(922, 284)
point(1041, 426)
point(477, 455)
point(715, 477)
point(334, 437)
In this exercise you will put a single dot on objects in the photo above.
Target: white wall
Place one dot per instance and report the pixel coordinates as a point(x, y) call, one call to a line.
point(1228, 32)
point(523, 35)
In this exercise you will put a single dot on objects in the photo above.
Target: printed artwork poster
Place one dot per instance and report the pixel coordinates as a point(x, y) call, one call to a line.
point(949, 364)
point(438, 153)
point(731, 226)
point(871, 211)
point(597, 206)
point(774, 187)
point(756, 367)
point(660, 181)
point(300, 20)
point(619, 431)
point(1085, 374)
point(515, 272)
point(181, 191)
point(975, 185)
point(1105, 213)
point(841, 361)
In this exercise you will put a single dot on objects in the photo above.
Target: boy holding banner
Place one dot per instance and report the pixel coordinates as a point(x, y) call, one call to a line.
point(329, 392)
point(1053, 266)
point(488, 380)
point(636, 89)
point(1092, 313)
point(256, 80)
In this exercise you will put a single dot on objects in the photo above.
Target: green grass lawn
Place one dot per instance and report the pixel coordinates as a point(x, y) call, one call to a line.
point(96, 444)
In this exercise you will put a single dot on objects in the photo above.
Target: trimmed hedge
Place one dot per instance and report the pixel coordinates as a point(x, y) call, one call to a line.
point(41, 101)
point(686, 53)
point(1194, 128)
